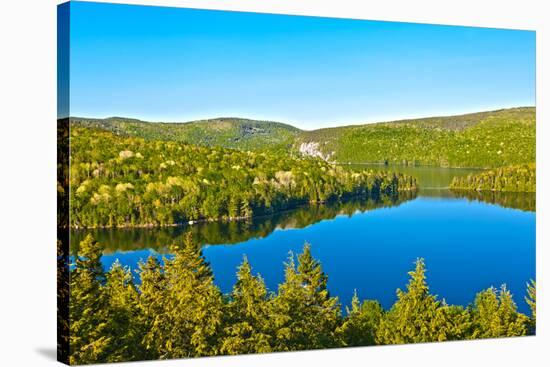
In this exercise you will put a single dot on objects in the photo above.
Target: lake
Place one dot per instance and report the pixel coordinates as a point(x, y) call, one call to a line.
point(470, 241)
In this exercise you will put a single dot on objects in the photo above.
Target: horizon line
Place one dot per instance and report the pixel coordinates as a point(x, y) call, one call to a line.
point(364, 122)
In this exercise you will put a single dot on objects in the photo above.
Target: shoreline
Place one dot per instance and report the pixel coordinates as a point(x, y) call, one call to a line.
point(231, 219)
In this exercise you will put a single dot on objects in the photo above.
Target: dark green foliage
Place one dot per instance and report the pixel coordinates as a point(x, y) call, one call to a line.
point(520, 178)
point(178, 312)
point(122, 181)
point(361, 323)
point(231, 232)
point(247, 315)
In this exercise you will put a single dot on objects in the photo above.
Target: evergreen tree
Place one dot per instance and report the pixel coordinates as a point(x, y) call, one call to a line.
point(361, 323)
point(89, 339)
point(456, 322)
point(152, 291)
point(531, 300)
point(189, 325)
point(248, 315)
point(122, 315)
point(495, 315)
point(303, 313)
point(415, 317)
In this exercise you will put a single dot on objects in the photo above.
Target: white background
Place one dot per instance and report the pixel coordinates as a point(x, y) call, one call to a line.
point(28, 168)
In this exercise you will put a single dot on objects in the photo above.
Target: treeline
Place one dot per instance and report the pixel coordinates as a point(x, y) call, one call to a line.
point(520, 178)
point(485, 140)
point(235, 133)
point(121, 181)
point(231, 232)
point(176, 311)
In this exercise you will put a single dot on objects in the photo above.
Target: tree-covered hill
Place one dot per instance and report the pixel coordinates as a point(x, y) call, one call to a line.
point(236, 133)
point(485, 139)
point(128, 181)
point(520, 178)
point(488, 139)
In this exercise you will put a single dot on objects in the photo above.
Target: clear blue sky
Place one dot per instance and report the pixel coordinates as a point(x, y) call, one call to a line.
point(170, 64)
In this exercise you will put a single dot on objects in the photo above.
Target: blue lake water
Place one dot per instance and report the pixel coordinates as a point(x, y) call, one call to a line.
point(469, 244)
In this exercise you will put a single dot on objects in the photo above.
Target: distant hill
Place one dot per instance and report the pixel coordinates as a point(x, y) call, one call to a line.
point(484, 139)
point(235, 133)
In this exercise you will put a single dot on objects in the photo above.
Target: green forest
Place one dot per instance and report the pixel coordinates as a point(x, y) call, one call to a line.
point(122, 181)
point(519, 178)
point(483, 140)
point(176, 310)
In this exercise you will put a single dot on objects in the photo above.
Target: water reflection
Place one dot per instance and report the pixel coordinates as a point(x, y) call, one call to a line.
point(213, 233)
point(525, 201)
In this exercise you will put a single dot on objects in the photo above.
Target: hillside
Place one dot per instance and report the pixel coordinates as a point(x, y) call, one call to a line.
point(487, 139)
point(484, 139)
point(234, 133)
point(119, 181)
point(520, 178)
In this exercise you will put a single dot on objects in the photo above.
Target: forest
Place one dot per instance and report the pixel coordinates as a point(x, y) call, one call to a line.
point(122, 181)
point(234, 232)
point(519, 178)
point(481, 140)
point(176, 311)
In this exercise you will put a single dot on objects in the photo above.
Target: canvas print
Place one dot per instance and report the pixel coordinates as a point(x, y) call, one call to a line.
point(235, 183)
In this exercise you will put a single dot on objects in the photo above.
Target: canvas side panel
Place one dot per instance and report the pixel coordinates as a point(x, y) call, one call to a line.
point(63, 39)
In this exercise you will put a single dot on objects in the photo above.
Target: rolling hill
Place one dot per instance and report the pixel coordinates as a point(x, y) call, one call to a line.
point(484, 139)
point(233, 133)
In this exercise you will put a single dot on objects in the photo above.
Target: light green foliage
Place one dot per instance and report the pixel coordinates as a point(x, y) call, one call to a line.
point(531, 300)
point(233, 133)
point(152, 293)
point(520, 178)
point(190, 320)
point(122, 315)
point(178, 312)
point(124, 181)
point(89, 339)
point(495, 315)
point(487, 139)
point(248, 315)
point(304, 315)
point(361, 323)
point(484, 139)
point(416, 317)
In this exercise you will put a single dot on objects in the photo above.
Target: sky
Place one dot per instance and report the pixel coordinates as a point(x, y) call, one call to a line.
point(174, 64)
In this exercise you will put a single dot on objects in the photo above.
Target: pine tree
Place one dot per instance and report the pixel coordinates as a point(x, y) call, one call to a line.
point(122, 315)
point(415, 317)
point(495, 315)
point(361, 323)
point(190, 323)
point(89, 340)
point(303, 313)
point(152, 291)
point(531, 300)
point(248, 315)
